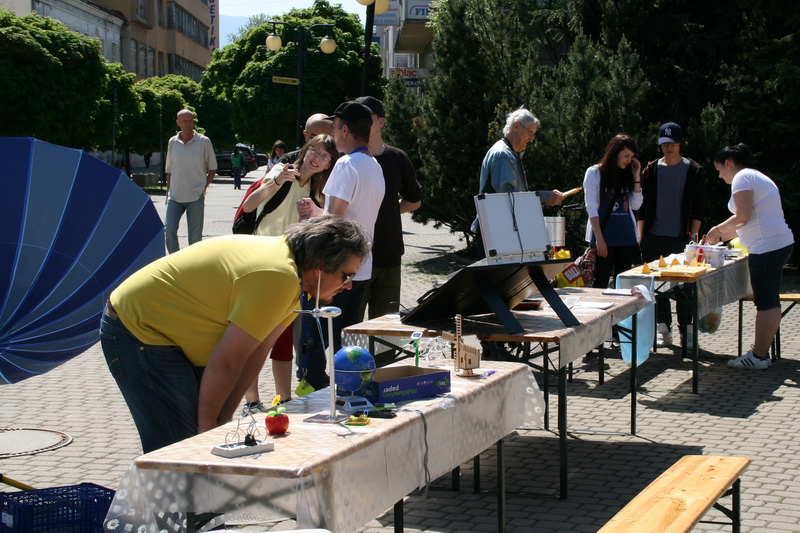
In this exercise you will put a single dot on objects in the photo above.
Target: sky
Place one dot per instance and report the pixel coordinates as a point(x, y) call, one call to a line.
point(246, 8)
point(234, 13)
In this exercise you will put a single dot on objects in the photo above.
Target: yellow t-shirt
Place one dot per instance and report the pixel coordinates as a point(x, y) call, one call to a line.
point(187, 299)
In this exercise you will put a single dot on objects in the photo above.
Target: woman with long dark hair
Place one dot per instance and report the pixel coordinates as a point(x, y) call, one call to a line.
point(613, 191)
point(759, 222)
point(304, 178)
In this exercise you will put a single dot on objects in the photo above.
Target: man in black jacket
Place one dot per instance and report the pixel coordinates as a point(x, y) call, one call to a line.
point(673, 210)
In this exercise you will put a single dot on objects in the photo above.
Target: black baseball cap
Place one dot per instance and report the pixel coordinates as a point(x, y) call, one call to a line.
point(373, 104)
point(352, 112)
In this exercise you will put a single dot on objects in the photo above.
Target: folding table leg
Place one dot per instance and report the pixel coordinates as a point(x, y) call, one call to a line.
point(501, 486)
point(398, 517)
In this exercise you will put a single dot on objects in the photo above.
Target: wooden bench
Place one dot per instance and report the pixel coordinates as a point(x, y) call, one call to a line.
point(681, 496)
point(792, 297)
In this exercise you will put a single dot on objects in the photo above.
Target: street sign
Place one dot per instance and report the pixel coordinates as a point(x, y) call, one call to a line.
point(287, 81)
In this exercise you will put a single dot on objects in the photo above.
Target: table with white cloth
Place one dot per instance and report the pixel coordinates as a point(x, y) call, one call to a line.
point(542, 326)
point(704, 293)
point(329, 475)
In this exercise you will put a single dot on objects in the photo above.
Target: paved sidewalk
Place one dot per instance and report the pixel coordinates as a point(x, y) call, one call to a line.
point(753, 414)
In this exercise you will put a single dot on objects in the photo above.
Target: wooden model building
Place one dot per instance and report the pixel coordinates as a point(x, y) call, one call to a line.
point(466, 357)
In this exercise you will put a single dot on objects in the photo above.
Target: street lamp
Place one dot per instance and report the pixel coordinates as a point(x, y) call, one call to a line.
point(374, 7)
point(327, 45)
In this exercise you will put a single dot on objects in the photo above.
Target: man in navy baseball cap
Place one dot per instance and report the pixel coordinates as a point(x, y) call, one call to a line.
point(672, 213)
point(669, 132)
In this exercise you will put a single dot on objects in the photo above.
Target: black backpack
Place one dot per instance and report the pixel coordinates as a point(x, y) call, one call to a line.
point(246, 223)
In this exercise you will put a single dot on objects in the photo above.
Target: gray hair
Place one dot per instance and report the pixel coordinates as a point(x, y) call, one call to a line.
point(327, 242)
point(522, 116)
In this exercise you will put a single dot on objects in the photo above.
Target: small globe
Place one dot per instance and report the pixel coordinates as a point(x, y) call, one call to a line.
point(354, 366)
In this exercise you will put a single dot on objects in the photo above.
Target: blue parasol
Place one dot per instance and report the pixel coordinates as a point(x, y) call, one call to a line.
point(71, 229)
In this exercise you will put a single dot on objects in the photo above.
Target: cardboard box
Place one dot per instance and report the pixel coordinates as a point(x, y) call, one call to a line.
point(400, 383)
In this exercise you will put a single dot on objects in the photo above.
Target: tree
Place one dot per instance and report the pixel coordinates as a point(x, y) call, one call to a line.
point(119, 105)
point(461, 102)
point(264, 111)
point(53, 82)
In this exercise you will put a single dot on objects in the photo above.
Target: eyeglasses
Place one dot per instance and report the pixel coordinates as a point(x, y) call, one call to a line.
point(532, 133)
point(324, 157)
point(347, 278)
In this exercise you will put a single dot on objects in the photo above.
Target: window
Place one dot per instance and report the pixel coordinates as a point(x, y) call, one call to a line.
point(151, 62)
point(181, 20)
point(132, 66)
point(142, 70)
point(143, 10)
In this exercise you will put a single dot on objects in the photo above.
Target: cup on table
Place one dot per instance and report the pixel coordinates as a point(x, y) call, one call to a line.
point(571, 301)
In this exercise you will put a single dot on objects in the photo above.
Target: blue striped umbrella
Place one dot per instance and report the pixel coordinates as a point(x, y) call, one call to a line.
point(71, 229)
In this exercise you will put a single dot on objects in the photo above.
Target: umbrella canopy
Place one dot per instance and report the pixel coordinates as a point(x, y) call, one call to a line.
point(72, 228)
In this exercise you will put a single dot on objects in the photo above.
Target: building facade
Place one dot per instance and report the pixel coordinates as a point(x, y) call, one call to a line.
point(149, 37)
point(405, 40)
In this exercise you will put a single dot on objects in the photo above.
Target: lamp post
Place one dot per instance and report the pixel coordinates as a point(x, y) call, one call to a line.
point(327, 45)
point(374, 7)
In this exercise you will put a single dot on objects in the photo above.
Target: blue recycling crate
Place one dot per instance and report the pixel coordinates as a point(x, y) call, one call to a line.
point(73, 509)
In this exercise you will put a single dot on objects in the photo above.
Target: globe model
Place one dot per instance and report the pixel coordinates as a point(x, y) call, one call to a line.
point(354, 366)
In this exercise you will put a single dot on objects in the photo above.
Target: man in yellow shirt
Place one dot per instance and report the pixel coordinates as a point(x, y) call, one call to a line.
point(185, 335)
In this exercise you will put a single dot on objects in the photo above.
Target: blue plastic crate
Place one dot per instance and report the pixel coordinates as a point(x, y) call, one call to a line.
point(73, 509)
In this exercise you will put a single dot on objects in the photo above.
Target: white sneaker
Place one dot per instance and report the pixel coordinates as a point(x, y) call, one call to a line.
point(663, 335)
point(750, 362)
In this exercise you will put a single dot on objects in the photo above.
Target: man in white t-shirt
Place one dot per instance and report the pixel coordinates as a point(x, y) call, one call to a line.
point(190, 168)
point(354, 190)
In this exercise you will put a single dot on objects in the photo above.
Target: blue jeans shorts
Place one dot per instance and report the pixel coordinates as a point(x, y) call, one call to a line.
point(766, 274)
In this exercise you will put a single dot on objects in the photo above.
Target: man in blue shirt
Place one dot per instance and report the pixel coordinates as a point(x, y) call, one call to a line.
point(502, 169)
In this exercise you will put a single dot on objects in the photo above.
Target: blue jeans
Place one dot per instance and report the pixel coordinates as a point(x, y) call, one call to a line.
point(237, 177)
point(159, 384)
point(195, 212)
point(311, 361)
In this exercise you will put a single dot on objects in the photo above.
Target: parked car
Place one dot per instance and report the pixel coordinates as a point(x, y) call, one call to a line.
point(262, 159)
point(224, 160)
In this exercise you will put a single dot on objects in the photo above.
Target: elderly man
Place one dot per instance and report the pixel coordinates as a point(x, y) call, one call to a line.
point(317, 124)
point(502, 169)
point(190, 169)
point(185, 335)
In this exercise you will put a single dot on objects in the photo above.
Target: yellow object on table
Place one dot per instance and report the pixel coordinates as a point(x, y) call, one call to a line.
point(661, 262)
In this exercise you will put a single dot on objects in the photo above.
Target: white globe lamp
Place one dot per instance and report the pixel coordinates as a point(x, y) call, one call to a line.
point(327, 45)
point(381, 6)
point(274, 42)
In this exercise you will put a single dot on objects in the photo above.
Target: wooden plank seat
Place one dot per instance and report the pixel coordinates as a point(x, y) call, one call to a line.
point(681, 496)
point(792, 297)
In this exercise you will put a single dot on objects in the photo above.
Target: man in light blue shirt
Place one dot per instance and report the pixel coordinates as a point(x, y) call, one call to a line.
point(502, 169)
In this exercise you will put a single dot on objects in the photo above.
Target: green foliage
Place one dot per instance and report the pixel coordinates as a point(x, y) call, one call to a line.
point(53, 81)
point(119, 105)
point(474, 45)
point(263, 111)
